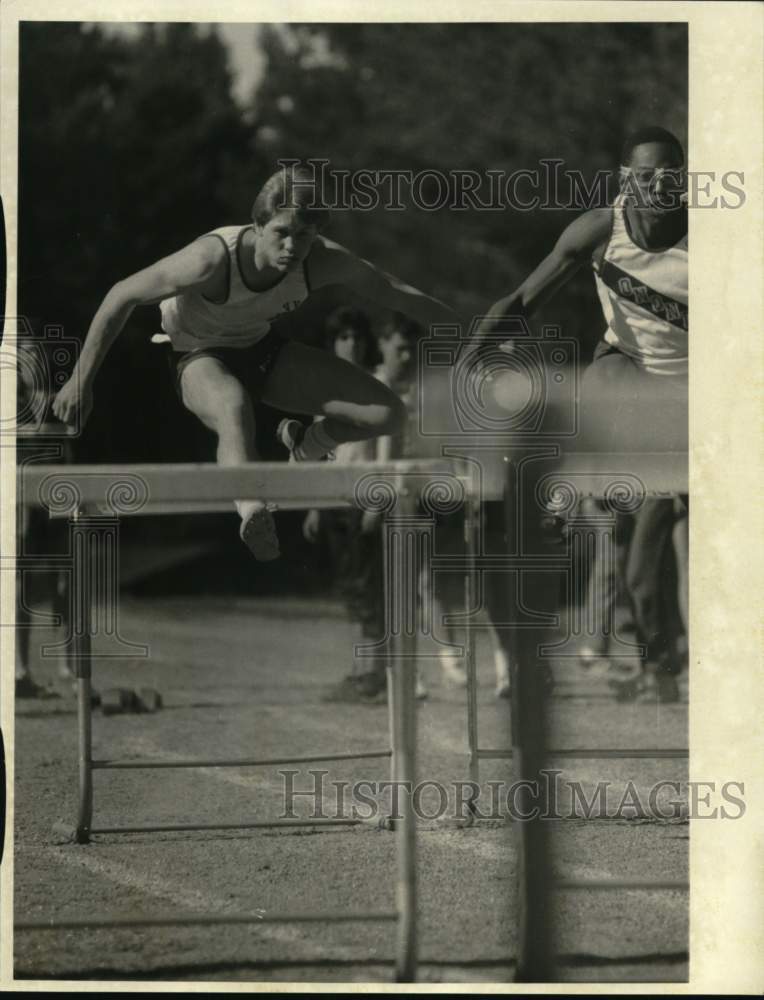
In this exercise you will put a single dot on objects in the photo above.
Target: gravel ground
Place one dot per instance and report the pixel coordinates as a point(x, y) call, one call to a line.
point(233, 686)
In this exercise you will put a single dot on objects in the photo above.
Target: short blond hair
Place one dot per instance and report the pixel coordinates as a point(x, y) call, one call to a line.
point(291, 187)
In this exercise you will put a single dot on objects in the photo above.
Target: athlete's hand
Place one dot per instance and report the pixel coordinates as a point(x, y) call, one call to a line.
point(311, 525)
point(73, 401)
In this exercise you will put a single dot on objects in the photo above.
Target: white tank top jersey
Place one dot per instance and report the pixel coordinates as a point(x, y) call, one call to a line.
point(644, 298)
point(191, 321)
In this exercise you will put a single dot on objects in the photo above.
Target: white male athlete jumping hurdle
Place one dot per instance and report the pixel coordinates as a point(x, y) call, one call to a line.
point(218, 298)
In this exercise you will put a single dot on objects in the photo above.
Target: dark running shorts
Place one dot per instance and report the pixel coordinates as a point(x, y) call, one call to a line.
point(250, 365)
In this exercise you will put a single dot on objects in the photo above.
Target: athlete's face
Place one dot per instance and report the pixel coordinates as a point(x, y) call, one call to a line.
point(284, 241)
point(397, 357)
point(655, 179)
point(349, 345)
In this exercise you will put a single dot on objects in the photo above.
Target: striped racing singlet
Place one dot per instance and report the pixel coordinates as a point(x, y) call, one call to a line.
point(644, 298)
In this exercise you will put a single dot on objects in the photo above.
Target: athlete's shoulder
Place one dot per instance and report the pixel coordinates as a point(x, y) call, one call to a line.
point(229, 235)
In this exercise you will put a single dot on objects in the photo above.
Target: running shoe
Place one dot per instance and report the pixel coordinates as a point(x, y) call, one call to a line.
point(290, 433)
point(627, 681)
point(258, 532)
point(28, 688)
point(368, 690)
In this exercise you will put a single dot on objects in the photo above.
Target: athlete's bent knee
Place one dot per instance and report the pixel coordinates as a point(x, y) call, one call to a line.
point(227, 410)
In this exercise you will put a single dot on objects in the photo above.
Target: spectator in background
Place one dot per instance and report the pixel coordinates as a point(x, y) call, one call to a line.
point(348, 336)
point(358, 540)
point(644, 600)
point(36, 533)
point(657, 576)
point(607, 608)
point(363, 564)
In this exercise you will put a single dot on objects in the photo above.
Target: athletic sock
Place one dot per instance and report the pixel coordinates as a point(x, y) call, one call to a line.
point(245, 507)
point(315, 444)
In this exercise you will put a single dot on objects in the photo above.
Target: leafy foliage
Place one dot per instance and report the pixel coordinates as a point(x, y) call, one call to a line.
point(470, 96)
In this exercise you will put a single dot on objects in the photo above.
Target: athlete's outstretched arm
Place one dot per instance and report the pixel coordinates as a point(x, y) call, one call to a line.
point(190, 267)
point(331, 264)
point(575, 246)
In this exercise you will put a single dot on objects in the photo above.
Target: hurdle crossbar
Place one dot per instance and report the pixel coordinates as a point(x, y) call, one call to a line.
point(236, 762)
point(244, 825)
point(156, 489)
point(622, 884)
point(176, 920)
point(604, 753)
point(180, 488)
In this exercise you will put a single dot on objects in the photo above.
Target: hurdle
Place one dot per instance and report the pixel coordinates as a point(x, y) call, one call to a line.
point(533, 497)
point(393, 489)
point(577, 475)
point(90, 496)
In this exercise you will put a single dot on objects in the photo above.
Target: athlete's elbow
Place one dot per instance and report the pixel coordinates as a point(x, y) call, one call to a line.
point(121, 297)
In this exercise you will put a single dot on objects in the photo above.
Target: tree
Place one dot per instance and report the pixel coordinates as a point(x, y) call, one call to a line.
point(480, 97)
point(130, 147)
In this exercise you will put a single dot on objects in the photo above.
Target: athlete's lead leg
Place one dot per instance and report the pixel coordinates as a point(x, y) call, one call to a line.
point(223, 405)
point(355, 405)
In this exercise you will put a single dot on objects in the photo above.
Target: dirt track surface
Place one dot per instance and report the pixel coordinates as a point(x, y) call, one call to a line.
point(244, 677)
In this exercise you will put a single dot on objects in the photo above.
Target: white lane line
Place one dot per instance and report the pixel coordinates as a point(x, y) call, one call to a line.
point(193, 900)
point(500, 849)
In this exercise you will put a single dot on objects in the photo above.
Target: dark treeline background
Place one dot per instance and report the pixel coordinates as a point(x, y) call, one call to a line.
point(132, 144)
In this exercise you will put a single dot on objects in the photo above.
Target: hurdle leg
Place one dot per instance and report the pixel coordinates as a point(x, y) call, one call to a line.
point(392, 701)
point(393, 696)
point(404, 544)
point(470, 592)
point(81, 661)
point(535, 959)
point(405, 832)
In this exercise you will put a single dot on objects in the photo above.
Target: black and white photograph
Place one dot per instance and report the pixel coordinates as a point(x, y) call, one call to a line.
point(357, 626)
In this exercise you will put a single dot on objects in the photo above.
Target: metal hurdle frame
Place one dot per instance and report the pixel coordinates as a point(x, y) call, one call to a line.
point(393, 489)
point(660, 474)
point(67, 491)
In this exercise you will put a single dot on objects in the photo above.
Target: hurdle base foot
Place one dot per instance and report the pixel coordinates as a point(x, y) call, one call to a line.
point(378, 823)
point(71, 834)
point(457, 822)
